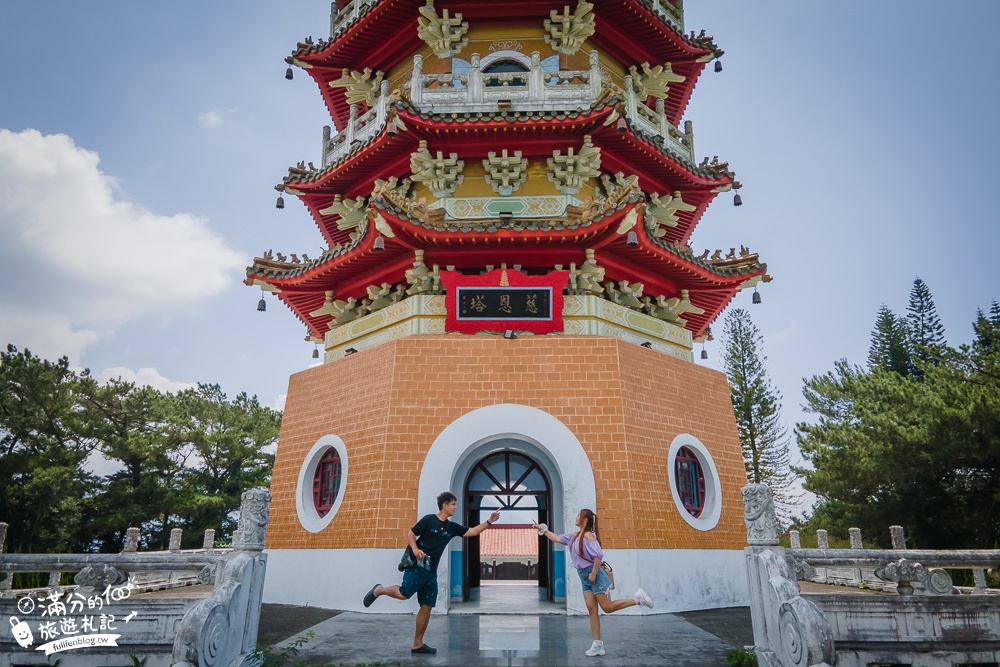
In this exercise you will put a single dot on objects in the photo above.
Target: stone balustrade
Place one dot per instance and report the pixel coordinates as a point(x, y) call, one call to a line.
point(927, 623)
point(487, 92)
point(184, 630)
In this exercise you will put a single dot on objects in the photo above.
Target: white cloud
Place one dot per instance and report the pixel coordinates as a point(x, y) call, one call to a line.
point(279, 403)
point(80, 259)
point(214, 117)
point(145, 377)
point(210, 119)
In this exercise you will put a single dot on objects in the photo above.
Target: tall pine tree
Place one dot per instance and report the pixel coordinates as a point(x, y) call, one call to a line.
point(766, 450)
point(926, 333)
point(890, 347)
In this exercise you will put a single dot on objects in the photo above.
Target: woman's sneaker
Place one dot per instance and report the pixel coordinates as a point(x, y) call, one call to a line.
point(597, 648)
point(641, 598)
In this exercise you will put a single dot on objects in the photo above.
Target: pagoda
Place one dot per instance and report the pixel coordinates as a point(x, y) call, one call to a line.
point(508, 301)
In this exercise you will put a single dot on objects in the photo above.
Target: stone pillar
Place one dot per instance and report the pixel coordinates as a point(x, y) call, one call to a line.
point(334, 15)
point(475, 86)
point(209, 543)
point(855, 535)
point(3, 535)
point(352, 124)
point(54, 578)
point(536, 80)
point(417, 81)
point(898, 540)
point(793, 536)
point(175, 539)
point(689, 137)
point(131, 540)
point(759, 516)
point(822, 539)
point(979, 575)
point(661, 120)
point(631, 103)
point(254, 511)
point(595, 76)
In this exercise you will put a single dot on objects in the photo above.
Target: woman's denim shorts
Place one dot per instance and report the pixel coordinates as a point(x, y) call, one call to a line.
point(602, 582)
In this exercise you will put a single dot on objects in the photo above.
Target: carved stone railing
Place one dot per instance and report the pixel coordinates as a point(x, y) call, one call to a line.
point(149, 570)
point(538, 90)
point(358, 130)
point(793, 628)
point(654, 122)
point(534, 90)
point(342, 19)
point(861, 568)
point(181, 630)
point(670, 12)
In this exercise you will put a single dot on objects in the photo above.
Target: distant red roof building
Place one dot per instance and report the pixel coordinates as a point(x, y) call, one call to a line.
point(508, 540)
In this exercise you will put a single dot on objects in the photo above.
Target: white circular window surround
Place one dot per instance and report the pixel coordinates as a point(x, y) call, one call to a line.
point(709, 517)
point(304, 505)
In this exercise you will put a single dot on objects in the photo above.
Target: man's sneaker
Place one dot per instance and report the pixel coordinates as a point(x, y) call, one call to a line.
point(597, 648)
point(641, 598)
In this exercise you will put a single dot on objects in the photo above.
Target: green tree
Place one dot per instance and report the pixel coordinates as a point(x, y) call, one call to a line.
point(922, 452)
point(890, 346)
point(926, 333)
point(231, 449)
point(43, 485)
point(135, 429)
point(766, 451)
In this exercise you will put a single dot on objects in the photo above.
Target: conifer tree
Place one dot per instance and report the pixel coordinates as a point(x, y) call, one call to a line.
point(925, 330)
point(766, 450)
point(890, 344)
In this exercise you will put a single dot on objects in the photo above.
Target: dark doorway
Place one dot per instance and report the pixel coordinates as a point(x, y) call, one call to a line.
point(516, 484)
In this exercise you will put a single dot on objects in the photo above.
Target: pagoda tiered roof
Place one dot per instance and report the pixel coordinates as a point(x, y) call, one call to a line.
point(663, 267)
point(596, 180)
point(535, 133)
point(383, 33)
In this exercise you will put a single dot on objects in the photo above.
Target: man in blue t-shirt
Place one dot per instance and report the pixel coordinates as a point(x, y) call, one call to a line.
point(428, 540)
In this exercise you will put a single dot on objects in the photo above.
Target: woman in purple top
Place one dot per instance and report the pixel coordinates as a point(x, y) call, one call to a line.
point(586, 555)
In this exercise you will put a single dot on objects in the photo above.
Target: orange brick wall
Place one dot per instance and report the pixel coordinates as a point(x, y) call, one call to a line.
point(624, 403)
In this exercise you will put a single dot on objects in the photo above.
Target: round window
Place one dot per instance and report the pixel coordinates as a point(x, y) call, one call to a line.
point(690, 481)
point(694, 482)
point(321, 483)
point(326, 481)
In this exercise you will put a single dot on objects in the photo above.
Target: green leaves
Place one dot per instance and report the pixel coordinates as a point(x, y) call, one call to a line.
point(920, 450)
point(756, 404)
point(165, 460)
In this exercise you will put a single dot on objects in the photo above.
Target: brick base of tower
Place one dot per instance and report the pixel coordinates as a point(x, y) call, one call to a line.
point(599, 416)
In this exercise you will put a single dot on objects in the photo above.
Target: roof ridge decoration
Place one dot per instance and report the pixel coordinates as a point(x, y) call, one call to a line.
point(361, 87)
point(441, 174)
point(505, 173)
point(654, 81)
point(446, 36)
point(570, 172)
point(662, 212)
point(566, 33)
point(350, 211)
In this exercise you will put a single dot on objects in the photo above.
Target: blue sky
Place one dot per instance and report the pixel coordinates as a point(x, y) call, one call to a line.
point(140, 142)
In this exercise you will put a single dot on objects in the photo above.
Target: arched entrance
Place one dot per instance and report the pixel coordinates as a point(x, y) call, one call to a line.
point(516, 484)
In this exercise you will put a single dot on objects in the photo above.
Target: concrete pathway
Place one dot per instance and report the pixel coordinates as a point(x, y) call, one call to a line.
point(464, 640)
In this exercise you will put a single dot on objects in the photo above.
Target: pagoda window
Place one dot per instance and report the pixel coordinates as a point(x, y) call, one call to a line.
point(551, 65)
point(326, 481)
point(460, 67)
point(690, 481)
point(505, 67)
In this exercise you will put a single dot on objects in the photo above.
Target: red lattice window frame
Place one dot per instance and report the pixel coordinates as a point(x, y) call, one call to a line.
point(326, 482)
point(690, 481)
